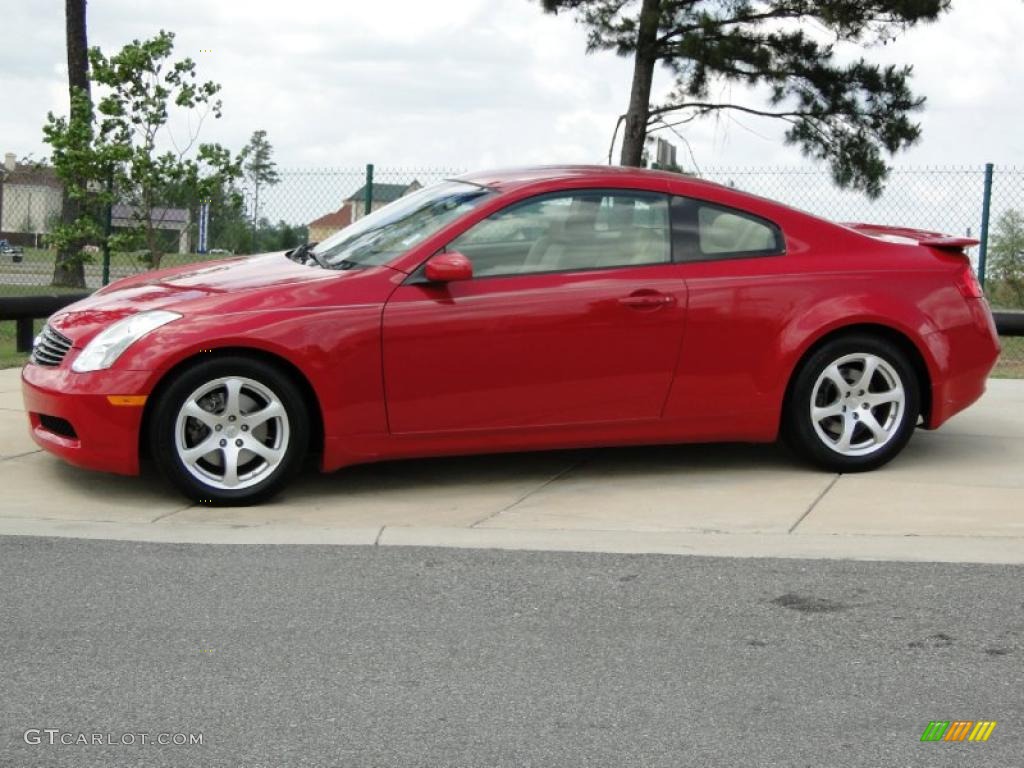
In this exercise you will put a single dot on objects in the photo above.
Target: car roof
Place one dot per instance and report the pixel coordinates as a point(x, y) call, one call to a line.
point(509, 178)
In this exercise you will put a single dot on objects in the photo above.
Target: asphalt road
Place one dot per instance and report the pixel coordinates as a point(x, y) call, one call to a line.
point(338, 656)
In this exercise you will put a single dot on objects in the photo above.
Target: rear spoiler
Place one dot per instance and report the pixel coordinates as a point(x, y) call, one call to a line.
point(914, 236)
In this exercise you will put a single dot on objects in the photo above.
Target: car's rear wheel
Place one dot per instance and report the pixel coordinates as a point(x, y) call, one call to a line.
point(853, 405)
point(229, 431)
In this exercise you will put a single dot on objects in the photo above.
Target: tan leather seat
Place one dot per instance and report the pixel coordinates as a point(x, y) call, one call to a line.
point(567, 243)
point(574, 243)
point(729, 233)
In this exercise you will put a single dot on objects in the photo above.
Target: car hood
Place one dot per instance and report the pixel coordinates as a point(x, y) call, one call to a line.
point(211, 286)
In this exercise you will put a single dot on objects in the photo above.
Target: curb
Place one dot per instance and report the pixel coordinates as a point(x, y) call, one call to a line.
point(930, 549)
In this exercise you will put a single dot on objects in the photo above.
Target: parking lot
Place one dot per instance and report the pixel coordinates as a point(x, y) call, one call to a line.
point(954, 495)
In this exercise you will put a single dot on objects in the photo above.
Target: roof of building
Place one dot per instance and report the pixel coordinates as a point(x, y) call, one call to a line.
point(384, 193)
point(509, 178)
point(170, 218)
point(31, 174)
point(336, 220)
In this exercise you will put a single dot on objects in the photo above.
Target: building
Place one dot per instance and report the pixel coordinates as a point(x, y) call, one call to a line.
point(31, 200)
point(322, 228)
point(354, 208)
point(174, 220)
point(382, 194)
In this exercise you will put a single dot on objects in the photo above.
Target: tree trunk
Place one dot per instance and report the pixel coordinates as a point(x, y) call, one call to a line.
point(68, 269)
point(156, 255)
point(643, 75)
point(255, 214)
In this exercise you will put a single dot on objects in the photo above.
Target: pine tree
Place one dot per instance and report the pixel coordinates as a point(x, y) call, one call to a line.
point(260, 169)
point(847, 113)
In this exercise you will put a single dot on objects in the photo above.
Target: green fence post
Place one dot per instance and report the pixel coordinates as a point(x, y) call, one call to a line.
point(986, 209)
point(107, 221)
point(368, 192)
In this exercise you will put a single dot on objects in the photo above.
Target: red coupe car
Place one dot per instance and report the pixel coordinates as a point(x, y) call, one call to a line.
point(519, 310)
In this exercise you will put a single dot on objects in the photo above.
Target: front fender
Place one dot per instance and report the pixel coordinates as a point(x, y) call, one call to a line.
point(336, 349)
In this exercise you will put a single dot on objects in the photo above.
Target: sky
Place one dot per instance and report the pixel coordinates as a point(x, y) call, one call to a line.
point(471, 84)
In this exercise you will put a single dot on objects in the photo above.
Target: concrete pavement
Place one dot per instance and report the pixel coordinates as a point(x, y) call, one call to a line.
point(954, 495)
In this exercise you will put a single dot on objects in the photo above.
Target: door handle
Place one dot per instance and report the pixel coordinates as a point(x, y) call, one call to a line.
point(647, 300)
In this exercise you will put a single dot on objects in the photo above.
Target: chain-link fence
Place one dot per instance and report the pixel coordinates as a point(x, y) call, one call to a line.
point(938, 199)
point(948, 200)
point(303, 205)
point(311, 204)
point(326, 199)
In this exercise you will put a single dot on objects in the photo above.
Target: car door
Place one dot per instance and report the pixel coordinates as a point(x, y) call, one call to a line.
point(741, 290)
point(574, 316)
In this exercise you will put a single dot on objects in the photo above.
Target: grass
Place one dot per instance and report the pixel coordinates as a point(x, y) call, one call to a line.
point(1011, 361)
point(37, 290)
point(9, 356)
point(32, 276)
point(45, 257)
point(37, 256)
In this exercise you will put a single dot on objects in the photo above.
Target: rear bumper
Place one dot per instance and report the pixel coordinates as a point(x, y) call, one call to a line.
point(965, 356)
point(97, 435)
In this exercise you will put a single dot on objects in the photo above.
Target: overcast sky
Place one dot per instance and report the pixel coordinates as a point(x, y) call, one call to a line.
point(478, 83)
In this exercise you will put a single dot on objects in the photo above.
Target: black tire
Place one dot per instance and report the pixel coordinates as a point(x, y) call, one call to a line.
point(824, 448)
point(292, 432)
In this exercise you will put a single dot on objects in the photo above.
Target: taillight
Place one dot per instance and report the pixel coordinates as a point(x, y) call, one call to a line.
point(968, 283)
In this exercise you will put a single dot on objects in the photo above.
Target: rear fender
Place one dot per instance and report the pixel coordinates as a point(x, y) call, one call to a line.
point(862, 313)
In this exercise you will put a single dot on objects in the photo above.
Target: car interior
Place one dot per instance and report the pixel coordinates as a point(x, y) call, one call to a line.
point(704, 231)
point(595, 230)
point(565, 233)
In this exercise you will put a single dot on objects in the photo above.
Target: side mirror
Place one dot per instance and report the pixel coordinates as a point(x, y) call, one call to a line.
point(448, 267)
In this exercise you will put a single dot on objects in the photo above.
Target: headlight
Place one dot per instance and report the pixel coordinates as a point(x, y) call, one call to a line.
point(103, 351)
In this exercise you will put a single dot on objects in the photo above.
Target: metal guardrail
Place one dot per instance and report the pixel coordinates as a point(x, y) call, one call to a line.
point(1009, 323)
point(24, 309)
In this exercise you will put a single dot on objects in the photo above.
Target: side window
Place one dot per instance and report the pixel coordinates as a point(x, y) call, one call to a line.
point(519, 223)
point(705, 231)
point(586, 229)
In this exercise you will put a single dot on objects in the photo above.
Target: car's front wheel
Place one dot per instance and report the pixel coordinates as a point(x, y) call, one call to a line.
point(229, 431)
point(853, 405)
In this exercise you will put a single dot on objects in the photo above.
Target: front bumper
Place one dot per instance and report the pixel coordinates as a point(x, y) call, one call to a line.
point(102, 435)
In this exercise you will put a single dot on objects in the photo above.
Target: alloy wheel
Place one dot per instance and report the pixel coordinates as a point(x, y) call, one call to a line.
point(231, 433)
point(857, 404)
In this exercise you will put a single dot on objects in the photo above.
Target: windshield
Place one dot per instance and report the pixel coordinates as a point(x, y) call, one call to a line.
point(394, 229)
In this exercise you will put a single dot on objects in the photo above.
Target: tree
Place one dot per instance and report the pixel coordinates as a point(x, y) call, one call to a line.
point(276, 237)
point(1006, 254)
point(68, 269)
point(228, 224)
point(138, 90)
point(259, 167)
point(845, 113)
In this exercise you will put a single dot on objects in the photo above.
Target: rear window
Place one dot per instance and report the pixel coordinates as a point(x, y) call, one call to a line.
point(722, 231)
point(704, 231)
